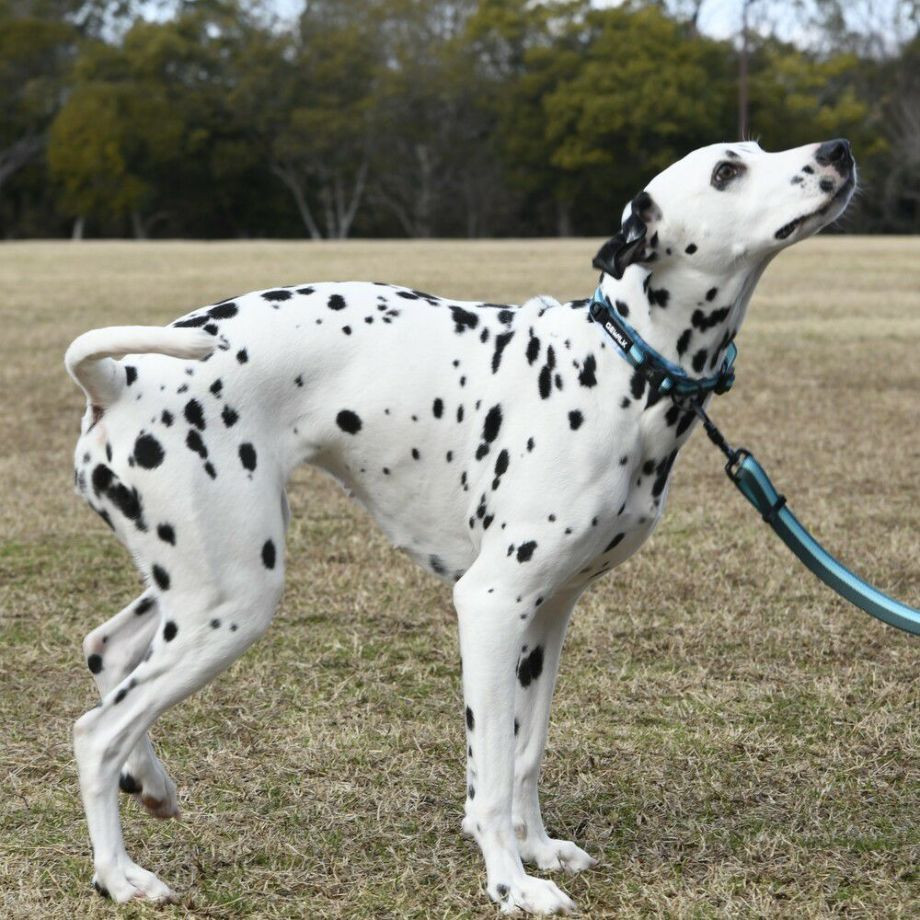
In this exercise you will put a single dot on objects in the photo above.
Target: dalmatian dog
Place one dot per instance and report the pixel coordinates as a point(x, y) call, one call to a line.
point(510, 450)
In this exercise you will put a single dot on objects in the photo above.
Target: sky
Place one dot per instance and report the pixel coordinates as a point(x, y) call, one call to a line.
point(722, 18)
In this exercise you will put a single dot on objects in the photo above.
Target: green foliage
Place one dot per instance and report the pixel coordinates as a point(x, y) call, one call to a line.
point(416, 117)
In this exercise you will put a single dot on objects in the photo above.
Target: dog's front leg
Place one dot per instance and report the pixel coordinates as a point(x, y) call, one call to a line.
point(490, 643)
point(537, 670)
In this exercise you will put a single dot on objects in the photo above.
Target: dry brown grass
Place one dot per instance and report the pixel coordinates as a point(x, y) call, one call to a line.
point(729, 738)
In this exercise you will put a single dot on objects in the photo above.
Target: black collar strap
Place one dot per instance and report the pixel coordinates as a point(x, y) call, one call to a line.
point(664, 376)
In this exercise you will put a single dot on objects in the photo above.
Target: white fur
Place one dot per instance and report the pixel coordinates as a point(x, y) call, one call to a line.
point(513, 452)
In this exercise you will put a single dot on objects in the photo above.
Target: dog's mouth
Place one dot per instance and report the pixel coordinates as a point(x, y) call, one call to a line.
point(843, 192)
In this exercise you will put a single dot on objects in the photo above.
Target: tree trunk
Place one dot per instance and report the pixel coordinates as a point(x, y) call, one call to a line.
point(347, 215)
point(287, 175)
point(563, 217)
point(423, 201)
point(137, 225)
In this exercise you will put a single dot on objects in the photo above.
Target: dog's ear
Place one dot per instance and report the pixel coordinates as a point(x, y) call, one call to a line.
point(629, 245)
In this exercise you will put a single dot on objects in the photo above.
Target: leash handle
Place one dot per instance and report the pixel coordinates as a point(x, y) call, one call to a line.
point(754, 484)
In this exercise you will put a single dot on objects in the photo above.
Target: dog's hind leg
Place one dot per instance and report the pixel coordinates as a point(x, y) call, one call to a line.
point(491, 633)
point(538, 666)
point(203, 629)
point(112, 651)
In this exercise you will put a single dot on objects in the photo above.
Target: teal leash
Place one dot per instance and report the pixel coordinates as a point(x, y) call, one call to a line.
point(754, 484)
point(743, 469)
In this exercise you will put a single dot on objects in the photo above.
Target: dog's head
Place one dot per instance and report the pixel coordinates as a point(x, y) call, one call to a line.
point(730, 203)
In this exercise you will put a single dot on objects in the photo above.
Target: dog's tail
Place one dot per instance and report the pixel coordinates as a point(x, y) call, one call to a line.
point(89, 360)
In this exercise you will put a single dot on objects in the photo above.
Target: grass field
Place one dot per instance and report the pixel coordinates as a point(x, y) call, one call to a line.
point(729, 738)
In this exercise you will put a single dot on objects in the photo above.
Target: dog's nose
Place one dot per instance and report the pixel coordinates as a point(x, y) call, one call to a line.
point(837, 154)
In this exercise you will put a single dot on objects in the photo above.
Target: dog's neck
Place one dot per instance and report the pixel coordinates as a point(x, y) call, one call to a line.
point(686, 316)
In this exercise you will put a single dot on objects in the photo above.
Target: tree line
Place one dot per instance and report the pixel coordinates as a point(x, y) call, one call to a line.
point(420, 118)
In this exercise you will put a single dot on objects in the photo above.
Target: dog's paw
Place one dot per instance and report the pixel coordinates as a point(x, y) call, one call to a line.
point(532, 895)
point(556, 854)
point(129, 882)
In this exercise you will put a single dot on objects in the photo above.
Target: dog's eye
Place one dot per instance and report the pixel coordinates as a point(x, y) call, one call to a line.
point(724, 173)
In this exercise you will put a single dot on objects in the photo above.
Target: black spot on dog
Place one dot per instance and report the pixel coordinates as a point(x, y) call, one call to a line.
point(531, 667)
point(348, 421)
point(587, 377)
point(248, 456)
point(808, 169)
point(128, 784)
point(130, 374)
point(166, 533)
point(637, 385)
point(690, 249)
point(437, 408)
point(533, 348)
point(161, 577)
point(148, 452)
point(492, 424)
point(211, 328)
point(659, 297)
point(437, 566)
point(622, 308)
point(501, 342)
point(194, 414)
point(225, 310)
point(94, 663)
point(193, 322)
point(530, 444)
point(683, 343)
point(336, 302)
point(699, 360)
point(703, 322)
point(194, 443)
point(575, 420)
point(166, 417)
point(711, 294)
point(415, 454)
point(664, 470)
point(614, 542)
point(298, 380)
point(242, 356)
point(276, 296)
point(268, 554)
point(143, 605)
point(170, 630)
point(469, 718)
point(463, 320)
point(346, 330)
point(216, 387)
point(684, 423)
point(525, 551)
point(672, 415)
point(229, 417)
point(471, 792)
